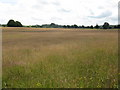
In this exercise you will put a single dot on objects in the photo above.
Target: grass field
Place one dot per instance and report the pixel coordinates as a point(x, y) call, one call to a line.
point(66, 58)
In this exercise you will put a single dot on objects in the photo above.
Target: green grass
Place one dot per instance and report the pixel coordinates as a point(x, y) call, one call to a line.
point(60, 59)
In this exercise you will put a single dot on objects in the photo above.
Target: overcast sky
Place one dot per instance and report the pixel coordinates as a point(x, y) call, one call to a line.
point(80, 12)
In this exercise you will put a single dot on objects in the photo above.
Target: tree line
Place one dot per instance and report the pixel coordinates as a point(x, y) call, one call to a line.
point(106, 25)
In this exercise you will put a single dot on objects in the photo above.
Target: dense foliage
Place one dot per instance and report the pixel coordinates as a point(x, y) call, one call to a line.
point(12, 23)
point(106, 25)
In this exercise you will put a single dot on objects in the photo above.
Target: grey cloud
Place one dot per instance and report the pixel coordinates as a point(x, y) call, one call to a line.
point(12, 2)
point(37, 19)
point(47, 2)
point(91, 12)
point(100, 7)
point(114, 18)
point(3, 20)
point(42, 2)
point(55, 18)
point(56, 3)
point(64, 10)
point(102, 15)
point(37, 6)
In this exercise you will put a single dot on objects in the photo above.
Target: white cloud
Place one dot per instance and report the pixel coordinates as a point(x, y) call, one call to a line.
point(59, 11)
point(102, 15)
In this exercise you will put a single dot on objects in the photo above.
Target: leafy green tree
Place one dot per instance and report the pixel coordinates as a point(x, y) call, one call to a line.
point(64, 26)
point(52, 24)
point(75, 26)
point(11, 23)
point(118, 26)
point(18, 24)
point(106, 25)
point(97, 26)
point(68, 26)
point(91, 26)
point(83, 26)
point(3, 25)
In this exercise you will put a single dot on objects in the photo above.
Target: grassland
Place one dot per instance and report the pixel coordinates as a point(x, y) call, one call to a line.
point(66, 59)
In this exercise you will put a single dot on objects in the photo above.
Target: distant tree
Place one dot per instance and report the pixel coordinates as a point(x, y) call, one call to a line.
point(52, 24)
point(106, 25)
point(79, 26)
point(115, 26)
point(3, 25)
point(118, 26)
point(97, 26)
point(91, 26)
point(83, 26)
point(18, 24)
point(68, 26)
point(71, 26)
point(64, 26)
point(11, 23)
point(75, 26)
point(87, 26)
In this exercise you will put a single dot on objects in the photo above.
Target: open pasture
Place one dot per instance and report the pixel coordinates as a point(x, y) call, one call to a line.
point(62, 58)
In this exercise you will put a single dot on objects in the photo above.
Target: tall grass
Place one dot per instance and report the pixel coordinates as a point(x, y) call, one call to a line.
point(60, 59)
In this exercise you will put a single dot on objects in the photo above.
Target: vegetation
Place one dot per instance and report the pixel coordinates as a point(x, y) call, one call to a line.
point(97, 26)
point(79, 59)
point(12, 23)
point(53, 25)
point(106, 25)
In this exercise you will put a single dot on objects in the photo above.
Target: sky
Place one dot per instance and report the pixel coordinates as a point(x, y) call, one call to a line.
point(63, 12)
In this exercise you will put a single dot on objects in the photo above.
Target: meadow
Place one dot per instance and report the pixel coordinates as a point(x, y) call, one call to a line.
point(59, 58)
